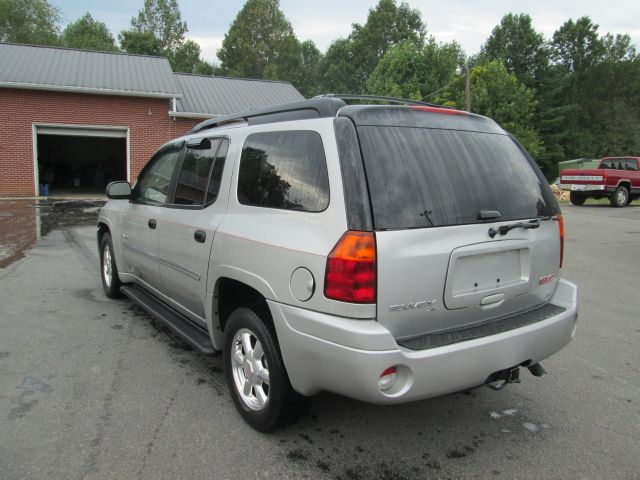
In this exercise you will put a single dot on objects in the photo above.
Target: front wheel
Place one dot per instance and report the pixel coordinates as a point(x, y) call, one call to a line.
point(620, 197)
point(255, 372)
point(577, 199)
point(108, 269)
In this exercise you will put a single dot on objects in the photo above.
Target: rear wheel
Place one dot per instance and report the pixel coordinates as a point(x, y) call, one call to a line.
point(255, 372)
point(620, 197)
point(108, 269)
point(577, 199)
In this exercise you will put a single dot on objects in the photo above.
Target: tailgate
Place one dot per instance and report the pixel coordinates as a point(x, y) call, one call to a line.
point(435, 194)
point(582, 177)
point(427, 285)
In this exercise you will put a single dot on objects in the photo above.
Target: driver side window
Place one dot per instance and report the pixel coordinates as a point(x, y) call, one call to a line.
point(153, 184)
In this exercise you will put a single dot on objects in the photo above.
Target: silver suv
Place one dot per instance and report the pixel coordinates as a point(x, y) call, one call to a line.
point(388, 253)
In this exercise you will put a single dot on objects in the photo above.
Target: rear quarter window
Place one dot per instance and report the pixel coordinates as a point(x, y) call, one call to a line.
point(284, 170)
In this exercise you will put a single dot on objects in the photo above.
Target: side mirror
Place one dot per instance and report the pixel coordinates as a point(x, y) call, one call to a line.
point(119, 190)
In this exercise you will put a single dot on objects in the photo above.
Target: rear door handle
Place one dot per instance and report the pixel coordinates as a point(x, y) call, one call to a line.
point(200, 236)
point(152, 223)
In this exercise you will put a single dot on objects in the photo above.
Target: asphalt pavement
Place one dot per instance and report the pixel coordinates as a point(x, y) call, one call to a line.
point(92, 388)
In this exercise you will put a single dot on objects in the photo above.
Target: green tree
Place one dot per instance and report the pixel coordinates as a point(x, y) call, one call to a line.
point(598, 94)
point(89, 34)
point(163, 19)
point(519, 47)
point(497, 94)
point(387, 25)
point(577, 45)
point(186, 59)
point(309, 81)
point(338, 70)
point(142, 43)
point(29, 21)
point(261, 44)
point(411, 70)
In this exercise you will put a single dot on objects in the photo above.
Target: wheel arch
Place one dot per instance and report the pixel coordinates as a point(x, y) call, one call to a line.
point(102, 229)
point(231, 292)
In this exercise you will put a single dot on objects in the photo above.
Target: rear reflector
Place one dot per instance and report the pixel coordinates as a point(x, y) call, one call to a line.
point(446, 111)
point(350, 275)
point(387, 379)
point(561, 227)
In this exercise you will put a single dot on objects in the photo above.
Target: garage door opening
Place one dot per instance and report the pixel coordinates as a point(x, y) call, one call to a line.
point(82, 162)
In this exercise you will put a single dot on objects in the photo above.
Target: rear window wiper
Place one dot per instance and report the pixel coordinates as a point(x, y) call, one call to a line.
point(504, 229)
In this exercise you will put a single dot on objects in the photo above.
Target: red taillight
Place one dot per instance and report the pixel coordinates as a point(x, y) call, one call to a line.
point(446, 111)
point(561, 227)
point(351, 269)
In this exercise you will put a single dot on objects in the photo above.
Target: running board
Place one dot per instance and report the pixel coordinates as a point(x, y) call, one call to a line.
point(195, 336)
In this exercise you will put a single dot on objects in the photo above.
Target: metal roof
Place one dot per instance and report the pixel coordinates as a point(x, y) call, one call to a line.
point(216, 96)
point(64, 69)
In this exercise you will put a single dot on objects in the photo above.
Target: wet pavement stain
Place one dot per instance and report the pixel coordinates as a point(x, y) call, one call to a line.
point(28, 387)
point(22, 409)
point(23, 222)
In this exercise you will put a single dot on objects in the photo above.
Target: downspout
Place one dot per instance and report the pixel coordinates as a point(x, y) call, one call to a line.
point(174, 106)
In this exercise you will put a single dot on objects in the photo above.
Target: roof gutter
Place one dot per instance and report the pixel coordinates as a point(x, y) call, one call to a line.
point(175, 114)
point(87, 90)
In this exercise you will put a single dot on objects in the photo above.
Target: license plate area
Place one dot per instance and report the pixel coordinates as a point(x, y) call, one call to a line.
point(479, 271)
point(577, 188)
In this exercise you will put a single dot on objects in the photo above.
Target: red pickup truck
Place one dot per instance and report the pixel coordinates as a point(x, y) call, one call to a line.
point(617, 178)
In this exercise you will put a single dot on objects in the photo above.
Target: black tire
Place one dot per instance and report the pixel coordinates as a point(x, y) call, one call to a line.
point(109, 273)
point(577, 199)
point(620, 197)
point(282, 404)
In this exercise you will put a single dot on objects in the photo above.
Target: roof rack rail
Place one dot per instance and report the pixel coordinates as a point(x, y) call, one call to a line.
point(325, 105)
point(304, 109)
point(377, 98)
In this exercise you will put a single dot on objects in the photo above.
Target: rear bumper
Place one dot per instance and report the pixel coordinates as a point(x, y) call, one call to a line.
point(344, 356)
point(580, 187)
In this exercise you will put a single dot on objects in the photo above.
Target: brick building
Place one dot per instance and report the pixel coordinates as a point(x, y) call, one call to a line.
point(76, 119)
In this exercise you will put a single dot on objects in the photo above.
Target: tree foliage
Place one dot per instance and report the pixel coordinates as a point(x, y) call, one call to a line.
point(158, 29)
point(518, 46)
point(349, 62)
point(261, 44)
point(142, 43)
point(163, 19)
point(89, 34)
point(577, 45)
point(309, 80)
point(29, 21)
point(414, 70)
point(497, 94)
point(186, 59)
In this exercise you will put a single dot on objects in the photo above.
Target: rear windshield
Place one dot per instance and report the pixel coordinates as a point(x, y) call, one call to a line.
point(422, 177)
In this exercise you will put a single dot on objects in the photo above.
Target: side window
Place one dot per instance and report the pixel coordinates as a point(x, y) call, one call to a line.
point(216, 173)
point(153, 185)
point(632, 164)
point(606, 164)
point(194, 173)
point(285, 170)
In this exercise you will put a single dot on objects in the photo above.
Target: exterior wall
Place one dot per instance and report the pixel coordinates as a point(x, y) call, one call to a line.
point(147, 120)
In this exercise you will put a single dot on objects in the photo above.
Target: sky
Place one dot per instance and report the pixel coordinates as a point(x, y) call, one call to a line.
point(469, 22)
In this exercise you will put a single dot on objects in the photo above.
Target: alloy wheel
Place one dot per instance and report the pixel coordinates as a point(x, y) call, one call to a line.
point(250, 369)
